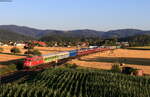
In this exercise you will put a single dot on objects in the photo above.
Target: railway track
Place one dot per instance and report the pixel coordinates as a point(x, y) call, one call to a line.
point(13, 76)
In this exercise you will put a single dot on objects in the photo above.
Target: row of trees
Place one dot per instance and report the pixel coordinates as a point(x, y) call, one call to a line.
point(72, 41)
point(139, 40)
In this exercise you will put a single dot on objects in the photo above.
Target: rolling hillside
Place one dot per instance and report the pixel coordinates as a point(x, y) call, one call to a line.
point(37, 33)
point(6, 35)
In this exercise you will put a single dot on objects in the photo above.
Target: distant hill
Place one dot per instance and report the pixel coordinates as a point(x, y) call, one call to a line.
point(137, 40)
point(37, 33)
point(125, 33)
point(6, 35)
point(29, 31)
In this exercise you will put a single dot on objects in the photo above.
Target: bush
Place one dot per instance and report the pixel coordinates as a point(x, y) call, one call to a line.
point(36, 52)
point(15, 50)
point(29, 45)
point(116, 68)
point(1, 49)
point(28, 52)
point(33, 52)
point(128, 70)
point(19, 64)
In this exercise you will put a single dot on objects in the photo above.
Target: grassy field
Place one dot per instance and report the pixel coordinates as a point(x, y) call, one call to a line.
point(139, 59)
point(65, 82)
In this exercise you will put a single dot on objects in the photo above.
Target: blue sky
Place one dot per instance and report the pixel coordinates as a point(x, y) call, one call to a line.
point(77, 14)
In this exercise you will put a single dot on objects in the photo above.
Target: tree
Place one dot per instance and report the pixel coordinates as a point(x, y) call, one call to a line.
point(19, 64)
point(116, 68)
point(33, 52)
point(29, 45)
point(138, 40)
point(15, 50)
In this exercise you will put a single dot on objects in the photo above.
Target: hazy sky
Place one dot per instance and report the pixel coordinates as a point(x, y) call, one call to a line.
point(77, 14)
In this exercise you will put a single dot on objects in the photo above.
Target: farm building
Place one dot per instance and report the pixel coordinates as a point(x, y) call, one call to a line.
point(126, 44)
point(19, 44)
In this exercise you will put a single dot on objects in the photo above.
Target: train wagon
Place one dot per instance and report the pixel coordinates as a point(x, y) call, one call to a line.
point(86, 51)
point(55, 57)
point(72, 53)
point(63, 55)
point(50, 57)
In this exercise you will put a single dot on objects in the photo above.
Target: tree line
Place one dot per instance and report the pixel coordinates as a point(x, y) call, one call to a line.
point(138, 40)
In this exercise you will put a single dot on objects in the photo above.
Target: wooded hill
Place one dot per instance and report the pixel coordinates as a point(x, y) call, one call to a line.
point(6, 35)
point(37, 33)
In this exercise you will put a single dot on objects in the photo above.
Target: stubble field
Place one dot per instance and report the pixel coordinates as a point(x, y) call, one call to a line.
point(139, 59)
point(7, 56)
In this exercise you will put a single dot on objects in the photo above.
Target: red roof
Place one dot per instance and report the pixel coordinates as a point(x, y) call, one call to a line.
point(39, 42)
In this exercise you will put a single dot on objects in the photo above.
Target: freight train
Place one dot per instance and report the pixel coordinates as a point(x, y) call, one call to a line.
point(55, 57)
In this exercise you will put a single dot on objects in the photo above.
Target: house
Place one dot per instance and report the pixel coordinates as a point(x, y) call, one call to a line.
point(5, 45)
point(1, 43)
point(40, 43)
point(126, 44)
point(83, 44)
point(93, 46)
point(19, 44)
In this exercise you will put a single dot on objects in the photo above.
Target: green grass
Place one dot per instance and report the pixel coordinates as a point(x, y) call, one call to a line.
point(65, 82)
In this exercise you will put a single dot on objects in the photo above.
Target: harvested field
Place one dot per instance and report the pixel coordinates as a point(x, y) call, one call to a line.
point(140, 48)
point(7, 56)
point(43, 50)
point(139, 59)
point(7, 59)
